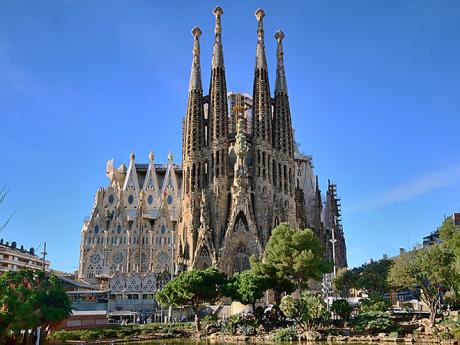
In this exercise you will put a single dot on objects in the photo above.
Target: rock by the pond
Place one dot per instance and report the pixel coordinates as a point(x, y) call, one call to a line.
point(311, 336)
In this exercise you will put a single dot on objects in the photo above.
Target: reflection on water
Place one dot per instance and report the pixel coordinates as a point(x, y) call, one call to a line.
point(209, 342)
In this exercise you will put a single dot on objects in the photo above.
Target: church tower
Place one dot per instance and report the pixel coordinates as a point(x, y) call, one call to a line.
point(262, 139)
point(218, 135)
point(283, 144)
point(193, 158)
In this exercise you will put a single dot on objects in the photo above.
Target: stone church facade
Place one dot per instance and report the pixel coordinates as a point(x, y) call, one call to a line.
point(241, 175)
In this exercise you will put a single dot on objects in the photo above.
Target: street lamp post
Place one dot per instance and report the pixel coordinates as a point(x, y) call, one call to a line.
point(333, 241)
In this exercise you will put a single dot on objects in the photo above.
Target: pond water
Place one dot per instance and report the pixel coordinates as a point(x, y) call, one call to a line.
point(208, 342)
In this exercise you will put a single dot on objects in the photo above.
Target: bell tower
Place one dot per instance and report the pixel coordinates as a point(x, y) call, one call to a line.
point(283, 143)
point(218, 135)
point(262, 152)
point(193, 158)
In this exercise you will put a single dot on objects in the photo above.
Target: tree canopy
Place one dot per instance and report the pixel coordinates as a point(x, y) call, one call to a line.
point(193, 288)
point(295, 255)
point(344, 281)
point(427, 269)
point(247, 287)
point(450, 234)
point(371, 278)
point(342, 308)
point(307, 310)
point(28, 300)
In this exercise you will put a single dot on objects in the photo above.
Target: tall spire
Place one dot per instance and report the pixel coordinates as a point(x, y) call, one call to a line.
point(261, 61)
point(262, 119)
point(283, 138)
point(194, 119)
point(280, 85)
point(218, 55)
point(218, 108)
point(195, 75)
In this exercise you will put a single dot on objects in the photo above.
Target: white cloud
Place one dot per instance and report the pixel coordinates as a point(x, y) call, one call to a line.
point(414, 188)
point(13, 76)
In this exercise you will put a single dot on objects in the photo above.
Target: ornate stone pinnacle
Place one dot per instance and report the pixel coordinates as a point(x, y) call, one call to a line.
point(170, 157)
point(151, 156)
point(218, 11)
point(260, 14)
point(132, 156)
point(279, 35)
point(196, 31)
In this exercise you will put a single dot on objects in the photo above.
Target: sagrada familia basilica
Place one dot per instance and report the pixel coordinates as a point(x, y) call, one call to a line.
point(241, 175)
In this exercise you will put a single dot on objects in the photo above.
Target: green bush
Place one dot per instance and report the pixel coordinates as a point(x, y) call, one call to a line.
point(342, 308)
point(285, 334)
point(259, 313)
point(209, 319)
point(393, 335)
point(248, 329)
point(65, 335)
point(91, 334)
point(445, 335)
point(374, 321)
point(373, 304)
point(308, 310)
point(453, 325)
point(232, 323)
point(119, 332)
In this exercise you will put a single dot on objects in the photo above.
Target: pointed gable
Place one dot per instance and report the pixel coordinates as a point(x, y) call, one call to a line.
point(131, 180)
point(151, 179)
point(170, 186)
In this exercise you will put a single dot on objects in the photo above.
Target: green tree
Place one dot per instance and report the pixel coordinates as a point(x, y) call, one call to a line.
point(342, 308)
point(193, 288)
point(307, 311)
point(28, 300)
point(296, 255)
point(247, 287)
point(373, 278)
point(450, 234)
point(376, 303)
point(275, 282)
point(426, 269)
point(344, 281)
point(374, 321)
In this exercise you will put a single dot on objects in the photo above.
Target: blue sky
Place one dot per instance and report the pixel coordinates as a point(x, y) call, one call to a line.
point(374, 89)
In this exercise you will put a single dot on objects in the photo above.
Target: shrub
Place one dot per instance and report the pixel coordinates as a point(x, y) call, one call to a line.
point(259, 313)
point(373, 304)
point(248, 329)
point(65, 335)
point(231, 324)
point(90, 334)
point(375, 321)
point(308, 310)
point(393, 335)
point(118, 332)
point(285, 334)
point(445, 335)
point(209, 319)
point(342, 308)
